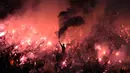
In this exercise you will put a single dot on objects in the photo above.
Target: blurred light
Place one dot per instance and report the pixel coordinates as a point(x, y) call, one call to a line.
point(41, 38)
point(2, 27)
point(2, 34)
point(22, 43)
point(13, 31)
point(117, 54)
point(64, 63)
point(45, 38)
point(98, 47)
point(49, 43)
point(99, 59)
point(16, 47)
point(29, 41)
point(109, 62)
point(104, 52)
point(120, 61)
point(11, 62)
point(34, 31)
point(23, 59)
point(31, 55)
point(41, 45)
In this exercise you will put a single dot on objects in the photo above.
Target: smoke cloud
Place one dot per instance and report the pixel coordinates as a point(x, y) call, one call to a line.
point(101, 21)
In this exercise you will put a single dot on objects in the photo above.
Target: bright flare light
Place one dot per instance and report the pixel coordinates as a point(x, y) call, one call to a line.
point(29, 41)
point(64, 63)
point(2, 30)
point(120, 61)
point(13, 31)
point(2, 34)
point(49, 43)
point(98, 47)
point(31, 55)
point(109, 62)
point(104, 52)
point(23, 59)
point(99, 59)
point(16, 47)
point(117, 54)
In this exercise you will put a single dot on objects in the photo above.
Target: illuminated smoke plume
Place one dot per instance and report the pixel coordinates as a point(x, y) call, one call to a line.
point(74, 16)
point(74, 21)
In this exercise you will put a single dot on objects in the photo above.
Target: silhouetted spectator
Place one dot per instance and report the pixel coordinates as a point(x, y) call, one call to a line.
point(122, 71)
point(63, 47)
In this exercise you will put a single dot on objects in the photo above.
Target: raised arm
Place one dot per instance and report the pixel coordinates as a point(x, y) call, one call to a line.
point(60, 43)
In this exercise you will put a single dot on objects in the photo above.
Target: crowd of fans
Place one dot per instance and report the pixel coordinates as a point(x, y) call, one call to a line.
point(10, 63)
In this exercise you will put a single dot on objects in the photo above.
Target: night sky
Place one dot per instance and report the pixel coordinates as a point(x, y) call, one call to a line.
point(11, 6)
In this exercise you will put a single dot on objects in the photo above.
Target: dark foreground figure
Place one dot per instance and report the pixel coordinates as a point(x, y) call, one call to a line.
point(10, 64)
